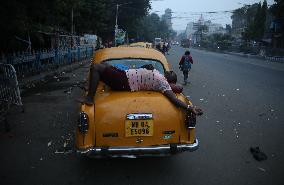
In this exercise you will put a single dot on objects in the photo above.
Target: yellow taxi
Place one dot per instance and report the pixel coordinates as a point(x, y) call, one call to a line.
point(133, 124)
point(141, 44)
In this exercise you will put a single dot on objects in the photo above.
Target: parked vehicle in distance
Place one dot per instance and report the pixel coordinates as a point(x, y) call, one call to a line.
point(185, 43)
point(157, 41)
point(133, 124)
point(141, 44)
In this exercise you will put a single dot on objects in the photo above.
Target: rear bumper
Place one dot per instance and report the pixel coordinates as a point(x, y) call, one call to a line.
point(132, 152)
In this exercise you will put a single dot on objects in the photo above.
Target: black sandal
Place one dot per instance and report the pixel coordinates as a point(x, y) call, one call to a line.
point(257, 154)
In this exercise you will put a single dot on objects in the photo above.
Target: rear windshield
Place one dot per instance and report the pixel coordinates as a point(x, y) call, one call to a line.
point(135, 64)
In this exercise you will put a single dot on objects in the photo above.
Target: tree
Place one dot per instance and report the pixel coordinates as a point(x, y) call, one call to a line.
point(153, 26)
point(29, 17)
point(255, 21)
point(277, 10)
point(228, 29)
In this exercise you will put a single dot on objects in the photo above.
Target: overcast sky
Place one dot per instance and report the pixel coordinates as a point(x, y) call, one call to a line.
point(185, 11)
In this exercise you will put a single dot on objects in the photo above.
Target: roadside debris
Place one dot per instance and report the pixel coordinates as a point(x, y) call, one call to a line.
point(69, 90)
point(268, 113)
point(63, 152)
point(261, 169)
point(29, 141)
point(59, 152)
point(236, 132)
point(257, 154)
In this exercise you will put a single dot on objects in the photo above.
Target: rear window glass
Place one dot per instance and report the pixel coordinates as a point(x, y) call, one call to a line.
point(135, 64)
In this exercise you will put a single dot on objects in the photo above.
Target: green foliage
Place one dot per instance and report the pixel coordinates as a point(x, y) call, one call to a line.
point(256, 19)
point(30, 17)
point(277, 10)
point(151, 26)
point(223, 41)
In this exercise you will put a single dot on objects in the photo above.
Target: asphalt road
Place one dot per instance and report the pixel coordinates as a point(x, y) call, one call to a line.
point(243, 103)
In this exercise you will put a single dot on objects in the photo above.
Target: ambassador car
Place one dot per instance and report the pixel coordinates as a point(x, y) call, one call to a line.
point(133, 124)
point(141, 44)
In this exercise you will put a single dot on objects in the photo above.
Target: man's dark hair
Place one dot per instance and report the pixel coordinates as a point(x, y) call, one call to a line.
point(187, 52)
point(148, 67)
point(171, 76)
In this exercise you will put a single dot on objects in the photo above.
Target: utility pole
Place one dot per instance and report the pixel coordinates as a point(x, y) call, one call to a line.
point(116, 26)
point(72, 19)
point(116, 18)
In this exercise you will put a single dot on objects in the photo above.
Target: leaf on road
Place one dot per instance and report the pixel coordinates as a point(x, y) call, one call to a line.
point(58, 152)
point(261, 169)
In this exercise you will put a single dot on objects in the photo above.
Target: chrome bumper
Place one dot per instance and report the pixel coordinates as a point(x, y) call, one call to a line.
point(133, 152)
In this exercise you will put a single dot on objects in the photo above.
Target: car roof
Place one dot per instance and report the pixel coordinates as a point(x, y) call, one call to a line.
point(130, 52)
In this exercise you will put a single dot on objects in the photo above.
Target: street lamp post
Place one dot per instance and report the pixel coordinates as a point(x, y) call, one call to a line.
point(116, 26)
point(116, 18)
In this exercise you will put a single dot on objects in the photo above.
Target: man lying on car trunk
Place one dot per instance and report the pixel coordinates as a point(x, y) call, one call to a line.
point(144, 78)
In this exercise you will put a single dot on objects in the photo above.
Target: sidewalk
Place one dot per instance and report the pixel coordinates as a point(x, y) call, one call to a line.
point(271, 59)
point(277, 59)
point(32, 81)
point(41, 140)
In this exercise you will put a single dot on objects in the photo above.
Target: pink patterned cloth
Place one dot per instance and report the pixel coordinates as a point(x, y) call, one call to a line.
point(143, 79)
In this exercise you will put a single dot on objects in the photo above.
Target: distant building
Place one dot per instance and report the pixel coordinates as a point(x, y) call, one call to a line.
point(167, 17)
point(214, 28)
point(194, 34)
point(239, 24)
point(191, 28)
point(89, 39)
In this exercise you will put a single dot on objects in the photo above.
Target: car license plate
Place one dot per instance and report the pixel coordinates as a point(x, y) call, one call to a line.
point(139, 128)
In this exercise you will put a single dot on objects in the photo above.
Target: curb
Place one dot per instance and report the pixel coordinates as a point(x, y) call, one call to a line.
point(270, 59)
point(277, 59)
point(245, 55)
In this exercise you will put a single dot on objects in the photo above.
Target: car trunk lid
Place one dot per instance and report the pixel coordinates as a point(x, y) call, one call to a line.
point(135, 119)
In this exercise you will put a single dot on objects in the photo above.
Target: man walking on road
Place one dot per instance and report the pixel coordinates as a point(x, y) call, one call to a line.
point(185, 65)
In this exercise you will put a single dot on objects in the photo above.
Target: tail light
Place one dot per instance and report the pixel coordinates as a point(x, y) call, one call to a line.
point(83, 122)
point(190, 120)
